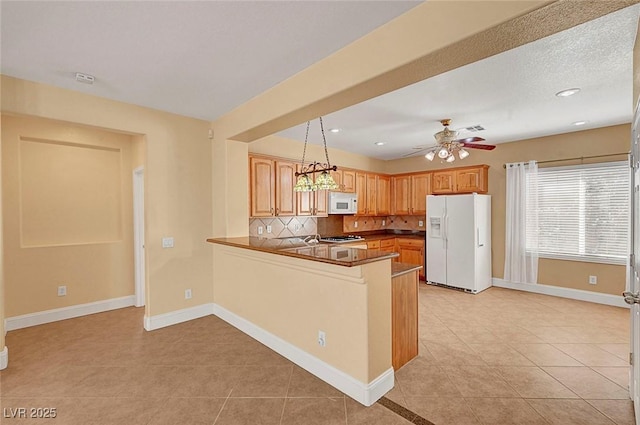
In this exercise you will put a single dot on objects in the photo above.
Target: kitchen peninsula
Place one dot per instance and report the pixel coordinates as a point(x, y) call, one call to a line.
point(325, 307)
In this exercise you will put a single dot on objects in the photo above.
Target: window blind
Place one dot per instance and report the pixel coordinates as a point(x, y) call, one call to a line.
point(583, 213)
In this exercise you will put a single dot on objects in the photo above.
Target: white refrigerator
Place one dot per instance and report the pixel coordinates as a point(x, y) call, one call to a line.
point(459, 241)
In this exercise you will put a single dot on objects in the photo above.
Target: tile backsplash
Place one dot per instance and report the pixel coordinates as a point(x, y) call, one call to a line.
point(354, 224)
point(283, 227)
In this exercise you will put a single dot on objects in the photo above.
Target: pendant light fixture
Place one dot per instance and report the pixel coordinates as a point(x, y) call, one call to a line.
point(307, 181)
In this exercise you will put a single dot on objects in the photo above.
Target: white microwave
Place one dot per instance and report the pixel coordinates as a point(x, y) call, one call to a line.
point(342, 203)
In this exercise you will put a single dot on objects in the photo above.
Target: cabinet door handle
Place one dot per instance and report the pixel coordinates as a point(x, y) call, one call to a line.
point(277, 211)
point(271, 211)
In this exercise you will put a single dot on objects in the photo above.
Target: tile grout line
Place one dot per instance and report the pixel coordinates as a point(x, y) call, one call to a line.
point(222, 407)
point(286, 396)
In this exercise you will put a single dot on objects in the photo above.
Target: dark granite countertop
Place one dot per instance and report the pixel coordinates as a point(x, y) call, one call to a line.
point(398, 269)
point(296, 247)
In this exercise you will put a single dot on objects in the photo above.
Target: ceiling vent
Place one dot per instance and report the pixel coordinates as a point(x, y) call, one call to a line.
point(474, 128)
point(84, 78)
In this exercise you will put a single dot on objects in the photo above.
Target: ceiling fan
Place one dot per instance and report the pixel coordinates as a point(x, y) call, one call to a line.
point(447, 144)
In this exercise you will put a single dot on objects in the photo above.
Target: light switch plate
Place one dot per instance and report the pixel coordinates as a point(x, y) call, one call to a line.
point(268, 228)
point(167, 242)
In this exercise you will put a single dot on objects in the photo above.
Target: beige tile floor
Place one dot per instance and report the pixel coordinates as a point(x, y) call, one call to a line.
point(510, 357)
point(499, 357)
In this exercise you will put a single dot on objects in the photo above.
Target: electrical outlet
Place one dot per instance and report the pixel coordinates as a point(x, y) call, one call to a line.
point(268, 229)
point(355, 224)
point(260, 230)
point(62, 291)
point(167, 242)
point(420, 223)
point(593, 280)
point(322, 339)
point(187, 294)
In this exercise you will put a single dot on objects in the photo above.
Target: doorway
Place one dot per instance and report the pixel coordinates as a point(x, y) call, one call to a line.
point(138, 236)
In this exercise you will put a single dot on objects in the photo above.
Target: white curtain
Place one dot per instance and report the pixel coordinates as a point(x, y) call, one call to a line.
point(521, 246)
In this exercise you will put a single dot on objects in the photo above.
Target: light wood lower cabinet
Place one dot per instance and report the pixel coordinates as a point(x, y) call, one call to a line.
point(412, 252)
point(373, 244)
point(404, 318)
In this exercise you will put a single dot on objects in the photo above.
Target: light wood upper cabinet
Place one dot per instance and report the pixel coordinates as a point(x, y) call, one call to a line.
point(348, 181)
point(410, 194)
point(263, 187)
point(420, 188)
point(361, 193)
point(271, 188)
point(401, 195)
point(372, 198)
point(383, 195)
point(337, 177)
point(322, 203)
point(272, 181)
point(444, 182)
point(462, 180)
point(475, 179)
point(285, 196)
point(312, 203)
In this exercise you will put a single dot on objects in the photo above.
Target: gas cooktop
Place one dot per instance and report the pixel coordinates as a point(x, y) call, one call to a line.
point(341, 239)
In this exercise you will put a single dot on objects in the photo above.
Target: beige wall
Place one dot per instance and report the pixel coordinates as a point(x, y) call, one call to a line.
point(67, 197)
point(601, 141)
point(177, 183)
point(294, 299)
point(292, 149)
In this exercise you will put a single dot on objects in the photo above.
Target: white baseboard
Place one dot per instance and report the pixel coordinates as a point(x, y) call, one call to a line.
point(4, 358)
point(178, 316)
point(48, 316)
point(366, 394)
point(558, 291)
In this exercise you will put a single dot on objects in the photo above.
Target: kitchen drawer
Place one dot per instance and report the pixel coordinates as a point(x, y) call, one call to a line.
point(387, 243)
point(418, 243)
point(373, 244)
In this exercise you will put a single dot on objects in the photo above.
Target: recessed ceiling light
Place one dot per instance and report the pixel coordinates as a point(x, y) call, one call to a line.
point(567, 92)
point(379, 143)
point(579, 123)
point(335, 130)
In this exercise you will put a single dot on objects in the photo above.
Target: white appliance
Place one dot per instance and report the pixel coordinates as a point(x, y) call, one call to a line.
point(459, 241)
point(342, 203)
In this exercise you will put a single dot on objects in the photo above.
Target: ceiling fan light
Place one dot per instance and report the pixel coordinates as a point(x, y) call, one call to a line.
point(430, 155)
point(443, 153)
point(462, 154)
point(451, 158)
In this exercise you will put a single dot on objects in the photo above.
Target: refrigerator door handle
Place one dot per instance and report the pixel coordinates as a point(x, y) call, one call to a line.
point(445, 236)
point(478, 236)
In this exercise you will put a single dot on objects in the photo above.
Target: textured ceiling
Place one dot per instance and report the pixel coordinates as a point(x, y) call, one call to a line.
point(512, 94)
point(195, 58)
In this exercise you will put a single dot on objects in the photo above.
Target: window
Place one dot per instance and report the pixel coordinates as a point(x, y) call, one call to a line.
point(583, 213)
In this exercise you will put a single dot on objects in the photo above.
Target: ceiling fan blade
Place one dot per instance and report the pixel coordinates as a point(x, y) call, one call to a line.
point(479, 146)
point(470, 140)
